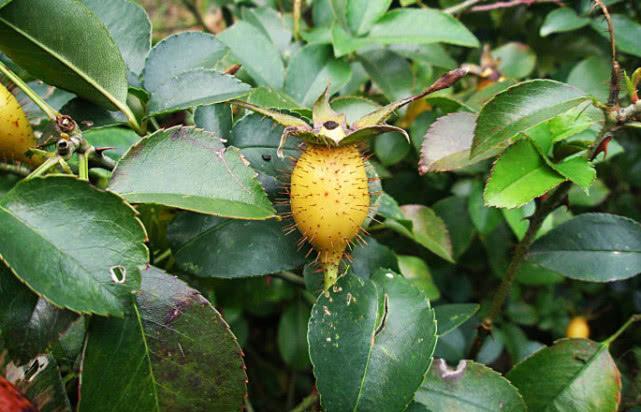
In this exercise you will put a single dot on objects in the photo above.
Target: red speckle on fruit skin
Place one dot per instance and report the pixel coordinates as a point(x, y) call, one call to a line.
point(11, 400)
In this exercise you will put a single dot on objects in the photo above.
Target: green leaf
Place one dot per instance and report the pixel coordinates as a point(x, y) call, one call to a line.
point(421, 26)
point(28, 324)
point(434, 54)
point(181, 53)
point(453, 211)
point(561, 20)
point(313, 69)
point(592, 75)
point(96, 265)
point(593, 247)
point(416, 271)
point(364, 324)
point(626, 30)
point(572, 374)
point(516, 60)
point(274, 99)
point(391, 148)
point(484, 218)
point(353, 107)
point(478, 99)
point(597, 193)
point(173, 347)
point(470, 387)
point(204, 176)
point(209, 246)
point(91, 116)
point(129, 27)
point(518, 108)
point(292, 336)
point(519, 176)
point(256, 53)
point(65, 58)
point(271, 23)
point(576, 168)
point(428, 230)
point(4, 3)
point(450, 317)
point(361, 14)
point(446, 145)
point(368, 257)
point(117, 138)
point(390, 72)
point(195, 88)
point(215, 118)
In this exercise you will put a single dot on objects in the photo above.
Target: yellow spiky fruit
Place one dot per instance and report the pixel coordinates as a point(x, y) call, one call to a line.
point(578, 328)
point(16, 135)
point(329, 198)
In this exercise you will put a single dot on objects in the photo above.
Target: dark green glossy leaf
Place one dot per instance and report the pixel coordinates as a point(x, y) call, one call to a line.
point(470, 387)
point(362, 338)
point(313, 69)
point(292, 336)
point(195, 88)
point(89, 115)
point(95, 267)
point(369, 256)
point(173, 347)
point(390, 72)
point(519, 176)
point(65, 58)
point(594, 247)
point(204, 176)
point(28, 324)
point(209, 246)
point(518, 108)
point(561, 20)
point(256, 53)
point(626, 30)
point(129, 27)
point(453, 211)
point(450, 317)
point(181, 53)
point(478, 99)
point(572, 374)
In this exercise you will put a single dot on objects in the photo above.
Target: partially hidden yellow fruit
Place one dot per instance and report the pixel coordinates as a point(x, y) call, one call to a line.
point(16, 135)
point(329, 198)
point(578, 328)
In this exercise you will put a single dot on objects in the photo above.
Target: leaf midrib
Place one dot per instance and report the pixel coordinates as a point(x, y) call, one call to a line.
point(117, 103)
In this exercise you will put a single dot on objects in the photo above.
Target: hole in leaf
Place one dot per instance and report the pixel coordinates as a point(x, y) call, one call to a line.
point(118, 274)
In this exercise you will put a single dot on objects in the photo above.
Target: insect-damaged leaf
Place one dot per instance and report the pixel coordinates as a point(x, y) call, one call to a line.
point(469, 387)
point(90, 270)
point(173, 347)
point(362, 337)
point(191, 169)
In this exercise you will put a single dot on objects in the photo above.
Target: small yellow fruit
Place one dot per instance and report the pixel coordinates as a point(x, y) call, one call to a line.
point(16, 135)
point(329, 198)
point(578, 328)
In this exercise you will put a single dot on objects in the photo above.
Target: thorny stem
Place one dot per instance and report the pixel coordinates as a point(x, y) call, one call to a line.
point(35, 97)
point(613, 98)
point(291, 277)
point(472, 5)
point(542, 211)
point(626, 325)
point(306, 403)
point(459, 8)
point(298, 5)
